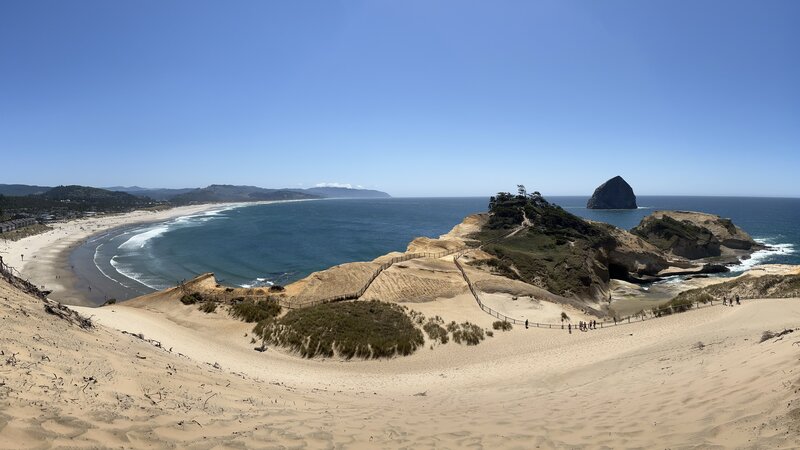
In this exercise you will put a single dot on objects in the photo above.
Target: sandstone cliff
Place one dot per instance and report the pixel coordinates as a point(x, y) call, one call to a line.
point(695, 235)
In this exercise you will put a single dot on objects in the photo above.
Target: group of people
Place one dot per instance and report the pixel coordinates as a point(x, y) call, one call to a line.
point(726, 301)
point(583, 326)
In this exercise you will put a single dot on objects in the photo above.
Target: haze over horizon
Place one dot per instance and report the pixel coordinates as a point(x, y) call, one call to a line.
point(413, 98)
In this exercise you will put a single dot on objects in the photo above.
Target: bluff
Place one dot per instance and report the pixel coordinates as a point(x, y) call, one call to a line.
point(615, 193)
point(695, 235)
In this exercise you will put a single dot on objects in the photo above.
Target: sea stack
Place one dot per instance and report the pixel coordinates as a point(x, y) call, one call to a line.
point(615, 193)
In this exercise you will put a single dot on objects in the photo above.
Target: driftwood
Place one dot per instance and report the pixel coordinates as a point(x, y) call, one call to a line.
point(62, 312)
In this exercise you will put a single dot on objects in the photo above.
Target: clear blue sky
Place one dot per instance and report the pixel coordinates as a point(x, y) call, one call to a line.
point(411, 97)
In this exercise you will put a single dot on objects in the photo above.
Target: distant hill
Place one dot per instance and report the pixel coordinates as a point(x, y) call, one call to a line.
point(182, 196)
point(230, 193)
point(341, 192)
point(158, 194)
point(93, 196)
point(19, 190)
point(72, 201)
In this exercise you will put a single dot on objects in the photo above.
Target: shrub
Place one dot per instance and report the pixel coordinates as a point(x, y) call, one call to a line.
point(436, 332)
point(251, 311)
point(358, 329)
point(490, 333)
point(191, 299)
point(502, 325)
point(452, 327)
point(676, 305)
point(209, 306)
point(469, 334)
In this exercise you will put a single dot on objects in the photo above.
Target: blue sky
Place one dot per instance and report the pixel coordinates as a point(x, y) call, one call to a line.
point(417, 98)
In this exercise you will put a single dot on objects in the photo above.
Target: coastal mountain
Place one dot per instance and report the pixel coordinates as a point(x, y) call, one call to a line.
point(212, 193)
point(94, 197)
point(161, 195)
point(615, 193)
point(19, 190)
point(342, 192)
point(230, 193)
point(68, 201)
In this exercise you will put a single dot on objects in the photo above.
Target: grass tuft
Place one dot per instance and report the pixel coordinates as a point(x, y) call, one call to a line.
point(502, 325)
point(468, 333)
point(191, 299)
point(208, 307)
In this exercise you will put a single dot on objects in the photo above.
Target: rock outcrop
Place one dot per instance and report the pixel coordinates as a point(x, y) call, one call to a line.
point(695, 235)
point(615, 193)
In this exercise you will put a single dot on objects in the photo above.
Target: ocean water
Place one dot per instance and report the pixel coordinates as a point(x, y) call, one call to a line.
point(258, 245)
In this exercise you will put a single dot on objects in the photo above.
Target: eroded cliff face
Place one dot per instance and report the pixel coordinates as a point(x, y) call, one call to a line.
point(615, 193)
point(695, 235)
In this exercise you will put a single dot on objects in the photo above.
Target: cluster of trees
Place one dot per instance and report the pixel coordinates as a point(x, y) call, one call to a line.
point(508, 210)
point(72, 200)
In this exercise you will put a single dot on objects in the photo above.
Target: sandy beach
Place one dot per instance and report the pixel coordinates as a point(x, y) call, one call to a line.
point(698, 379)
point(43, 259)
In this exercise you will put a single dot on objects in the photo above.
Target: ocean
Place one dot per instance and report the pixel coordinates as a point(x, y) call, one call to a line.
point(258, 245)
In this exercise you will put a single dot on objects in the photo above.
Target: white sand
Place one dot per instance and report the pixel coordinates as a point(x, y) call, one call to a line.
point(644, 385)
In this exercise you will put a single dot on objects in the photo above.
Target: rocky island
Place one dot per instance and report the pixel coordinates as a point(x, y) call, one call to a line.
point(615, 193)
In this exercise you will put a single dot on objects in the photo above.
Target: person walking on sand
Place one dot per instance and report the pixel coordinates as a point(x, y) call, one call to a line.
point(724, 301)
point(569, 327)
point(526, 324)
point(737, 300)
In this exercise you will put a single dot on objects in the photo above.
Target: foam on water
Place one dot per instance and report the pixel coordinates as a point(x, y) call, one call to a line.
point(126, 271)
point(137, 244)
point(763, 256)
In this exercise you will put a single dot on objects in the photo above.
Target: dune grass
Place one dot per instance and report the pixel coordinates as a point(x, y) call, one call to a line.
point(502, 325)
point(208, 307)
point(466, 333)
point(191, 299)
point(252, 311)
point(435, 331)
point(357, 329)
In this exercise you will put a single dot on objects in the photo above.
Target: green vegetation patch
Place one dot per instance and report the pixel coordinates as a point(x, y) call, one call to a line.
point(191, 299)
point(30, 230)
point(681, 237)
point(251, 311)
point(502, 325)
point(466, 333)
point(766, 286)
point(208, 307)
point(556, 252)
point(436, 332)
point(358, 329)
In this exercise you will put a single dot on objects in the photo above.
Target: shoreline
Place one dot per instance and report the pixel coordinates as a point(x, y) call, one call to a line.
point(45, 259)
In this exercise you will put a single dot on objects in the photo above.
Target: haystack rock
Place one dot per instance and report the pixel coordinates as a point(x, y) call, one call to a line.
point(615, 193)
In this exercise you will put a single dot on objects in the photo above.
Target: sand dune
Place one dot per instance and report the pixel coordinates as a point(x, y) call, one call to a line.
point(646, 385)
